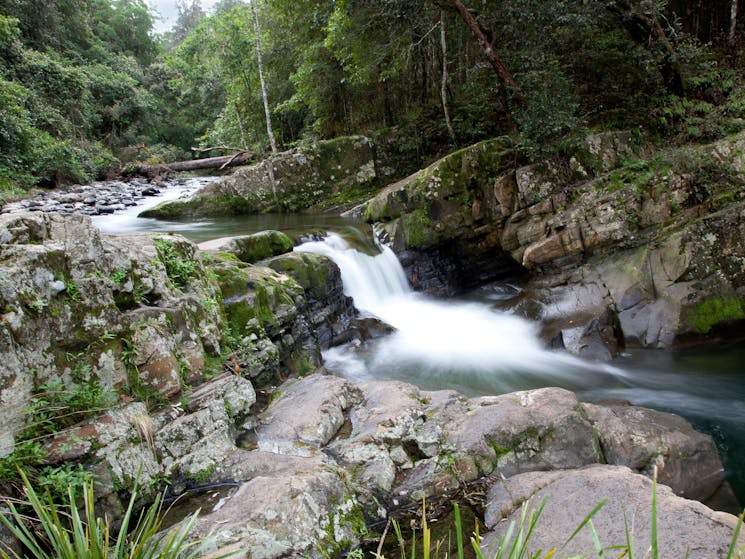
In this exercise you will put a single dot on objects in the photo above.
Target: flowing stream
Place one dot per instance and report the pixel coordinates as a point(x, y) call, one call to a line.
point(475, 349)
point(469, 346)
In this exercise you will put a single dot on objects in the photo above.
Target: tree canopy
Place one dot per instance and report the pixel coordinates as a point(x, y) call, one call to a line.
point(86, 84)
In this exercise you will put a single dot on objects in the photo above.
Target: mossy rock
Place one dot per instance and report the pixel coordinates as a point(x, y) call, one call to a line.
point(252, 248)
point(209, 202)
point(254, 295)
point(312, 271)
point(455, 179)
point(714, 311)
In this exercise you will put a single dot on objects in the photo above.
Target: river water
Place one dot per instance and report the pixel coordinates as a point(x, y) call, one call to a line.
point(469, 346)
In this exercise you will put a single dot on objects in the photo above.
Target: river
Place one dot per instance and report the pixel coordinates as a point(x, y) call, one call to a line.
point(467, 345)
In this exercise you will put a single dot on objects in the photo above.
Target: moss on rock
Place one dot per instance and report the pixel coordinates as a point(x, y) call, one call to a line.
point(716, 310)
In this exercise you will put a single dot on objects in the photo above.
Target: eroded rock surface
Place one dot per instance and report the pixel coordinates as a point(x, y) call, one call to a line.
point(290, 181)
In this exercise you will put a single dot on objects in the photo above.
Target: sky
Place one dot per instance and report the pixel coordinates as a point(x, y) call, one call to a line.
point(168, 12)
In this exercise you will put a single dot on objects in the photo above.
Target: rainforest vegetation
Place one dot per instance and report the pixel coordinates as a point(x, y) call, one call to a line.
point(86, 86)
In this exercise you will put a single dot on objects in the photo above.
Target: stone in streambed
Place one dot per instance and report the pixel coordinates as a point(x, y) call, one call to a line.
point(645, 439)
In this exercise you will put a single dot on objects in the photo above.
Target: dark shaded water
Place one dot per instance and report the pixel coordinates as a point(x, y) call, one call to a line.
point(706, 386)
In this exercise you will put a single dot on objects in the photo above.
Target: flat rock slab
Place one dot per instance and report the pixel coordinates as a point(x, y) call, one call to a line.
point(685, 528)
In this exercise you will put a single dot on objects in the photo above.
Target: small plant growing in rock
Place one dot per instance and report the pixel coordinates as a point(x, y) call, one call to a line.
point(178, 268)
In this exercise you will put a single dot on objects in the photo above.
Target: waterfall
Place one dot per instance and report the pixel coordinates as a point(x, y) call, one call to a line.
point(439, 343)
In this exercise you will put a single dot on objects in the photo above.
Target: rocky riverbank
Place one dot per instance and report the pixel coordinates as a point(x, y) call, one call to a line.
point(191, 348)
point(617, 248)
point(103, 198)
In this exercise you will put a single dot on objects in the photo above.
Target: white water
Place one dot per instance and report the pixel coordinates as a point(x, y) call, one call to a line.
point(126, 221)
point(443, 343)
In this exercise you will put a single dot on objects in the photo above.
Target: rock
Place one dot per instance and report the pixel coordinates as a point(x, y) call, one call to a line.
point(306, 416)
point(290, 181)
point(431, 213)
point(328, 309)
point(252, 248)
point(542, 429)
point(155, 360)
point(685, 528)
point(284, 515)
point(645, 439)
point(643, 236)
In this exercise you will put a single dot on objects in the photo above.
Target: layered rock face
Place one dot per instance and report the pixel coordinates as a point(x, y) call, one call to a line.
point(656, 243)
point(290, 181)
point(91, 319)
point(154, 320)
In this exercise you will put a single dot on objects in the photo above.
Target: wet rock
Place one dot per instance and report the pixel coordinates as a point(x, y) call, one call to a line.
point(283, 515)
point(685, 528)
point(306, 416)
point(541, 429)
point(328, 309)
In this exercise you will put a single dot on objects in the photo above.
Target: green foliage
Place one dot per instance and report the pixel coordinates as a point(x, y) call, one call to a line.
point(54, 407)
point(60, 532)
point(714, 311)
point(179, 266)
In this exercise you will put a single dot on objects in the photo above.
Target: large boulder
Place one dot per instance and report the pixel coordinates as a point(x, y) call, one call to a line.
point(684, 528)
point(647, 440)
point(290, 181)
point(251, 248)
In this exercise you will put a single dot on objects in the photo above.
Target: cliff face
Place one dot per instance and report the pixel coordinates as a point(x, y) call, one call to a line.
point(655, 242)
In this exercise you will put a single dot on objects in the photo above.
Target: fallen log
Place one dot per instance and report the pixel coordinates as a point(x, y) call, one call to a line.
point(220, 163)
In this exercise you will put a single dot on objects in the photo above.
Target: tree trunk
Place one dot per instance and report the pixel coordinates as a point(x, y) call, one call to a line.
point(444, 84)
point(483, 42)
point(221, 162)
point(240, 125)
point(643, 26)
point(732, 23)
point(264, 96)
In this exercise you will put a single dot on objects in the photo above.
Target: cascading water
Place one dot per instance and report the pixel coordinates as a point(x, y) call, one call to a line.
point(472, 348)
point(439, 344)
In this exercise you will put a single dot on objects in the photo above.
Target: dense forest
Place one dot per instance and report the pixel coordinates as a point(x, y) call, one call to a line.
point(87, 86)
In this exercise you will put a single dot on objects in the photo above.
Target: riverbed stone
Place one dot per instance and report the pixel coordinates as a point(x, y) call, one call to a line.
point(685, 528)
point(646, 440)
point(280, 516)
point(542, 429)
point(306, 415)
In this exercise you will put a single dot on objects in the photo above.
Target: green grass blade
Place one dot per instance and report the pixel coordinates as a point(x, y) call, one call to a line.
point(735, 536)
point(400, 539)
point(596, 540)
point(629, 537)
point(587, 519)
point(655, 550)
point(458, 531)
